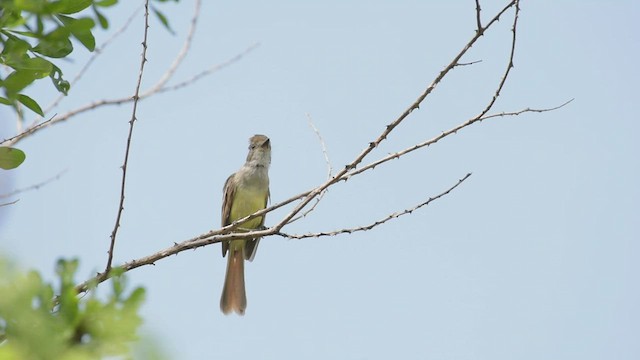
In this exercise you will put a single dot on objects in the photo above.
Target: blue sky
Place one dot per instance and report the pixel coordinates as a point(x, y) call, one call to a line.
point(535, 256)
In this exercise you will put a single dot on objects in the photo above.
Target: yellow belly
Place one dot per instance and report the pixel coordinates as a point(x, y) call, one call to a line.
point(246, 202)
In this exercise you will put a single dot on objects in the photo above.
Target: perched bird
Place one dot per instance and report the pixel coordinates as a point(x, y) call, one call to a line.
point(245, 192)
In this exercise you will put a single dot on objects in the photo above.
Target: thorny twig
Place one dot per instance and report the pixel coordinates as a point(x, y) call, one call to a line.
point(372, 225)
point(33, 187)
point(136, 98)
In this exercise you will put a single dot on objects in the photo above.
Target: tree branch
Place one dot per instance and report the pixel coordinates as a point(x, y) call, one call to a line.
point(329, 171)
point(217, 236)
point(374, 224)
point(225, 233)
point(480, 30)
point(443, 135)
point(136, 97)
point(342, 175)
point(33, 187)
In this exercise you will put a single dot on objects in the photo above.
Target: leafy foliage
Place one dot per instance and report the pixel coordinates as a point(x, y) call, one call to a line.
point(35, 324)
point(34, 32)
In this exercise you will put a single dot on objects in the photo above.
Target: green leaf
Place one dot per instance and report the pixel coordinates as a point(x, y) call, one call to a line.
point(72, 6)
point(5, 101)
point(31, 6)
point(163, 19)
point(81, 30)
point(10, 19)
point(136, 298)
point(106, 3)
point(39, 66)
point(30, 34)
point(68, 296)
point(55, 47)
point(61, 84)
point(39, 24)
point(118, 285)
point(11, 158)
point(104, 23)
point(14, 47)
point(30, 103)
point(18, 80)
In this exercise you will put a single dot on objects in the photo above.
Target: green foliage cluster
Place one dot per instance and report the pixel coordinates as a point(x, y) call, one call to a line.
point(37, 324)
point(34, 31)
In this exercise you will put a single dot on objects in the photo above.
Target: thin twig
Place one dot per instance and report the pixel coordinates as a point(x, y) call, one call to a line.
point(9, 203)
point(479, 29)
point(214, 68)
point(503, 80)
point(516, 113)
point(442, 135)
point(469, 63)
point(14, 139)
point(143, 61)
point(323, 146)
point(374, 224)
point(329, 171)
point(33, 187)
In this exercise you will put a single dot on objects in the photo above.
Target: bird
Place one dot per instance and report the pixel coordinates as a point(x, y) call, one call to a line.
point(245, 192)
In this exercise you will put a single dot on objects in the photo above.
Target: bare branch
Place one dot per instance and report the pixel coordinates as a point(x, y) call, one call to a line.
point(136, 97)
point(217, 236)
point(322, 145)
point(210, 237)
point(503, 80)
point(209, 71)
point(389, 217)
point(14, 139)
point(516, 113)
point(33, 187)
point(329, 171)
point(480, 30)
point(444, 134)
point(9, 203)
point(469, 63)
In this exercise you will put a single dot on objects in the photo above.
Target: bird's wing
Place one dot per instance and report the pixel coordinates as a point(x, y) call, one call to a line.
point(227, 195)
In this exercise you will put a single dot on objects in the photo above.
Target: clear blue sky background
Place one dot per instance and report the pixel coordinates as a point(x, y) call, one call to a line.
point(534, 257)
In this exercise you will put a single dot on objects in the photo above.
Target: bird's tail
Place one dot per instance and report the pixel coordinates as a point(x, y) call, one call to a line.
point(233, 296)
